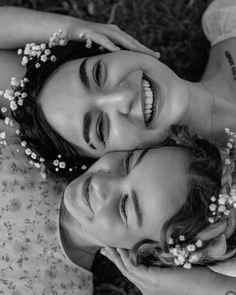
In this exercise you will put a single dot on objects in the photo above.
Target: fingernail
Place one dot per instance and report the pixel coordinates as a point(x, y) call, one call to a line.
point(157, 54)
point(102, 251)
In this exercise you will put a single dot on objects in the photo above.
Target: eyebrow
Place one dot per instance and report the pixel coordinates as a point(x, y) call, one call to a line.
point(83, 74)
point(137, 207)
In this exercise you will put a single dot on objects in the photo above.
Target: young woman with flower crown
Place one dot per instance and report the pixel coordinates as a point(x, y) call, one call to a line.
point(32, 258)
point(56, 159)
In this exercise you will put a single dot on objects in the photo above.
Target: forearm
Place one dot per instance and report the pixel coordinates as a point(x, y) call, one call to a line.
point(19, 26)
point(207, 282)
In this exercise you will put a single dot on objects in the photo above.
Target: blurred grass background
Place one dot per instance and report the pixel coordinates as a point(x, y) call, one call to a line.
point(172, 27)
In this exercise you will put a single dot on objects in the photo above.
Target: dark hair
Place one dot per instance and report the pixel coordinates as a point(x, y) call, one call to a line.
point(205, 175)
point(41, 138)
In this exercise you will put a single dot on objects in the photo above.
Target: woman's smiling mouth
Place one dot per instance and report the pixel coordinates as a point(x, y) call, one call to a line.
point(150, 101)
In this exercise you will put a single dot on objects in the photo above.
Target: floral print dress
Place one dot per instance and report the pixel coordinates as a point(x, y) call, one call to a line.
point(32, 260)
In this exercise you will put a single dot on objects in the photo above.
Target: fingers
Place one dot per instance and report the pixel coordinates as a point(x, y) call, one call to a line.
point(103, 41)
point(128, 42)
point(132, 44)
point(110, 37)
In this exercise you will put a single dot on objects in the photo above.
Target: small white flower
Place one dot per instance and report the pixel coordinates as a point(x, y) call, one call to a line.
point(212, 207)
point(24, 60)
point(47, 51)
point(8, 94)
point(62, 165)
point(211, 219)
point(222, 208)
point(191, 248)
point(84, 167)
point(17, 131)
point(227, 161)
point(4, 109)
point(23, 143)
point(182, 238)
point(13, 105)
point(7, 120)
point(3, 135)
point(170, 241)
point(14, 82)
point(19, 51)
point(20, 102)
point(28, 151)
point(37, 65)
point(34, 156)
point(24, 95)
point(43, 46)
point(213, 198)
point(187, 265)
point(55, 162)
point(198, 244)
point(41, 159)
point(181, 259)
point(37, 165)
point(34, 53)
point(43, 58)
point(53, 58)
point(174, 251)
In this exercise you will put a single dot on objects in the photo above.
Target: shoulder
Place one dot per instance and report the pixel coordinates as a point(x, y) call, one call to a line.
point(219, 21)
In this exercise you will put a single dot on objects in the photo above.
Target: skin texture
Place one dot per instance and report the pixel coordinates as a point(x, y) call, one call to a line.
point(160, 191)
point(115, 101)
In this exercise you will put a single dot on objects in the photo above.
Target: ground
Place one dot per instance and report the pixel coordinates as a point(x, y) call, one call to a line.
point(169, 26)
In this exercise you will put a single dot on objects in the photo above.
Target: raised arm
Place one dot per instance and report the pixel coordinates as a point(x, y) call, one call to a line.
point(167, 281)
point(19, 26)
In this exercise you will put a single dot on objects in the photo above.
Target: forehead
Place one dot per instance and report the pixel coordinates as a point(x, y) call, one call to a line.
point(162, 184)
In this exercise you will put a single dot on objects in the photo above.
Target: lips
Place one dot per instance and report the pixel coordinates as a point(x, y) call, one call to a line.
point(151, 100)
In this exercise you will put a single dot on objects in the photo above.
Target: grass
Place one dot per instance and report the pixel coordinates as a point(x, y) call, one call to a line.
point(169, 26)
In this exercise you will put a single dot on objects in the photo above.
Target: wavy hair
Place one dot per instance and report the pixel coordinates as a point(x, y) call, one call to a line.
point(205, 175)
point(35, 130)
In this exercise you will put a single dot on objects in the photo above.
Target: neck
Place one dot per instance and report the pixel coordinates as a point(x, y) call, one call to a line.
point(208, 114)
point(76, 246)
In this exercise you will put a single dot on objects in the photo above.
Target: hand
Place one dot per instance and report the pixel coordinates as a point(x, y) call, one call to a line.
point(108, 36)
point(165, 281)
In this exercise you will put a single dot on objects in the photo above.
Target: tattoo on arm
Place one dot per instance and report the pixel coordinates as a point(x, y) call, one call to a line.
point(232, 65)
point(230, 293)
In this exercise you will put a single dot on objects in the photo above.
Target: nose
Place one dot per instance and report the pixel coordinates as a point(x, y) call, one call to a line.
point(101, 186)
point(121, 99)
point(105, 190)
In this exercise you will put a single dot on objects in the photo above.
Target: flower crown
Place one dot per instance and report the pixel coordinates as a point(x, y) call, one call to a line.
point(186, 252)
point(41, 53)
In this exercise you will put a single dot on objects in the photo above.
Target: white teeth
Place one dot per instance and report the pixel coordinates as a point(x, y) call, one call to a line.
point(148, 103)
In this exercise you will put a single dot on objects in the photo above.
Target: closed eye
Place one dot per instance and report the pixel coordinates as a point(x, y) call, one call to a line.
point(127, 161)
point(100, 129)
point(122, 208)
point(97, 73)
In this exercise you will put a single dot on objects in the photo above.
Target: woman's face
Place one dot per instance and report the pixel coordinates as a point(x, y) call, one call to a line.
point(127, 197)
point(116, 101)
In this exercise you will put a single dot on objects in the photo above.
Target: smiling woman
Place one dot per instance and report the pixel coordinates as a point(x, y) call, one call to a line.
point(149, 200)
point(90, 102)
